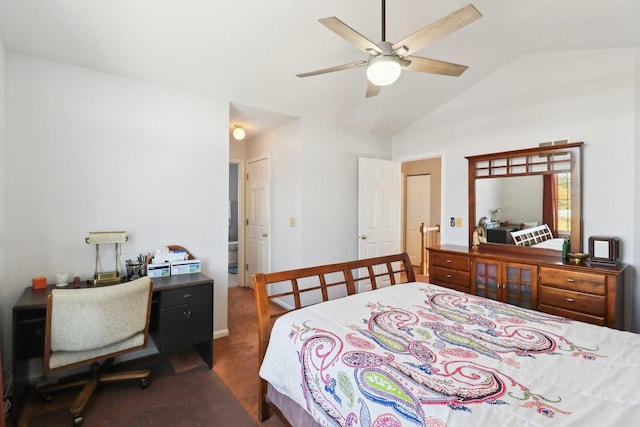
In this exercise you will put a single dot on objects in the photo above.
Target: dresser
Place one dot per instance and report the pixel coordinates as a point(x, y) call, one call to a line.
point(584, 292)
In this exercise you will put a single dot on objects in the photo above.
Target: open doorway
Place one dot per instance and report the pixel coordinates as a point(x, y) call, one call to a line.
point(236, 231)
point(422, 203)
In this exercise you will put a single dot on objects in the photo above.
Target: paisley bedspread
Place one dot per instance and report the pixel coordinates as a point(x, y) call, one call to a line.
point(419, 354)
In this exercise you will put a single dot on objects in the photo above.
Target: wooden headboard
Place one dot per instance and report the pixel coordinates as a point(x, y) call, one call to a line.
point(311, 285)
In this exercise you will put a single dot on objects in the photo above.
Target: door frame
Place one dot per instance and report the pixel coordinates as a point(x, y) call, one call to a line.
point(406, 231)
point(443, 193)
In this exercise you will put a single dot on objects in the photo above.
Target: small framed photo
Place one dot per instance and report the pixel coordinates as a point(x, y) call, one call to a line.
point(603, 250)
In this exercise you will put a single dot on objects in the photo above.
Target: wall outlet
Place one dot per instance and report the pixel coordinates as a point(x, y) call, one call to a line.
point(458, 222)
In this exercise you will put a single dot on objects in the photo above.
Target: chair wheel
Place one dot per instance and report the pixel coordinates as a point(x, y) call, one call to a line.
point(77, 420)
point(45, 397)
point(144, 383)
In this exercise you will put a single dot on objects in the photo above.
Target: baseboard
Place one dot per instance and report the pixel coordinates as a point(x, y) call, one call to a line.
point(221, 334)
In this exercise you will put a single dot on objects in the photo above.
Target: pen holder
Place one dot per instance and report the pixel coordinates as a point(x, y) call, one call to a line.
point(134, 270)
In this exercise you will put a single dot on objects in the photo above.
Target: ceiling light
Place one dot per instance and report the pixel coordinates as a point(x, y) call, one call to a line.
point(238, 132)
point(383, 70)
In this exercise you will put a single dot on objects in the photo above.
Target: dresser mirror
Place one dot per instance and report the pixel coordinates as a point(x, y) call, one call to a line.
point(514, 190)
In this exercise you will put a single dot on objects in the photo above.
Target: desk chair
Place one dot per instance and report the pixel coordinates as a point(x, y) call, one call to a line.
point(92, 325)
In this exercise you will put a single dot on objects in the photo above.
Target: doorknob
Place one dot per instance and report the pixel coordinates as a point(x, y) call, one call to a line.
point(363, 237)
point(264, 234)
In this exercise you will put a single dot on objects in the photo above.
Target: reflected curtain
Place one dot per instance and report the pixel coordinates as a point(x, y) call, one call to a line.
point(550, 202)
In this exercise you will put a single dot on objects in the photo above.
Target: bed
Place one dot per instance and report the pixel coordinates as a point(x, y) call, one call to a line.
point(419, 354)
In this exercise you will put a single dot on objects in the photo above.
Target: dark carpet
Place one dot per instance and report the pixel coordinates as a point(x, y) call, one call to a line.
point(179, 395)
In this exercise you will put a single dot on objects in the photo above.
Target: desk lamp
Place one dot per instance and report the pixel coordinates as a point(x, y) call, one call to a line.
point(106, 237)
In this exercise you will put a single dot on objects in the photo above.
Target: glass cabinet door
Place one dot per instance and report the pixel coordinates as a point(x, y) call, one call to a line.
point(509, 282)
point(520, 284)
point(486, 277)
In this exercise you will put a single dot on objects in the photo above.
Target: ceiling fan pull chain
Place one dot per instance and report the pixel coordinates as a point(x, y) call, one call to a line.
point(384, 20)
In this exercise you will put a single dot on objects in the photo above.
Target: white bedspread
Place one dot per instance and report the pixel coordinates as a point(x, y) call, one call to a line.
point(420, 354)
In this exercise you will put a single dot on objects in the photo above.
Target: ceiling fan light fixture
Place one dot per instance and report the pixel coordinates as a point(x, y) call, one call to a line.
point(383, 70)
point(238, 132)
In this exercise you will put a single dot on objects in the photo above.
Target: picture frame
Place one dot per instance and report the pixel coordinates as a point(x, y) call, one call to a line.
point(604, 250)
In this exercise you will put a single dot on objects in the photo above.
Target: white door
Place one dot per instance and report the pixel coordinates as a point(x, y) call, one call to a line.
point(257, 210)
point(379, 195)
point(418, 194)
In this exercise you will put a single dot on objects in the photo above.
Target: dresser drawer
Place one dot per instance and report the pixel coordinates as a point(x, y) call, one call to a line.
point(573, 280)
point(450, 278)
point(186, 295)
point(571, 300)
point(455, 262)
point(575, 315)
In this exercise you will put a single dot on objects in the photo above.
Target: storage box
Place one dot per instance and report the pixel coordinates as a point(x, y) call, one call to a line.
point(185, 267)
point(39, 282)
point(158, 270)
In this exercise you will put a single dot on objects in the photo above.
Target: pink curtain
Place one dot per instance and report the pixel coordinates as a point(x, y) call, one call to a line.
point(550, 202)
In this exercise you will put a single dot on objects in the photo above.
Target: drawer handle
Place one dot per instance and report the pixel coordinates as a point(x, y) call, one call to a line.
point(448, 276)
point(187, 296)
point(448, 261)
point(570, 300)
point(570, 280)
point(187, 314)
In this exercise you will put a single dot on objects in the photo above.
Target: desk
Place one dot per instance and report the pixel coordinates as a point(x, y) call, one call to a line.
point(181, 316)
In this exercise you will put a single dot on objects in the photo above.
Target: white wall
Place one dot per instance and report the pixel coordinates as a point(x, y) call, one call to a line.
point(282, 146)
point(586, 96)
point(4, 330)
point(330, 182)
point(88, 151)
point(314, 178)
point(634, 287)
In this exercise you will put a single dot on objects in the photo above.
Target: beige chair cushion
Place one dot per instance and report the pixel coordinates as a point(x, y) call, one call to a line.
point(91, 322)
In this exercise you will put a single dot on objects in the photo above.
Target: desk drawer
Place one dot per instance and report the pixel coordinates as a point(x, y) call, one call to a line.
point(576, 301)
point(444, 260)
point(186, 295)
point(184, 325)
point(573, 280)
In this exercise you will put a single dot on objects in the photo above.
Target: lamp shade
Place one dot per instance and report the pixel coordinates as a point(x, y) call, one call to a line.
point(383, 70)
point(238, 133)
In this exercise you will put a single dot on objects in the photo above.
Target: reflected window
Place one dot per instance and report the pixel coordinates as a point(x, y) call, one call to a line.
point(563, 202)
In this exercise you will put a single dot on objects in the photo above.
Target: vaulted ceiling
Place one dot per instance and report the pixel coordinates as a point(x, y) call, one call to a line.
point(248, 51)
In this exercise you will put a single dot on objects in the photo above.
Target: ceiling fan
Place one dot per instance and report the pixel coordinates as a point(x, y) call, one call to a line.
point(387, 60)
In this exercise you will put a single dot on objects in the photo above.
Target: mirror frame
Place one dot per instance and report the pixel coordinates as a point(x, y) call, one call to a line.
point(575, 167)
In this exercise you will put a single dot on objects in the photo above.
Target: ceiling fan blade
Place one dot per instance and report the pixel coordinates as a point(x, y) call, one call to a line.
point(349, 34)
point(433, 66)
point(372, 90)
point(437, 30)
point(332, 69)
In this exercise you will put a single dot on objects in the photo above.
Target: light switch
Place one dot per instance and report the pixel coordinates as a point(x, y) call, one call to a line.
point(292, 222)
point(458, 222)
